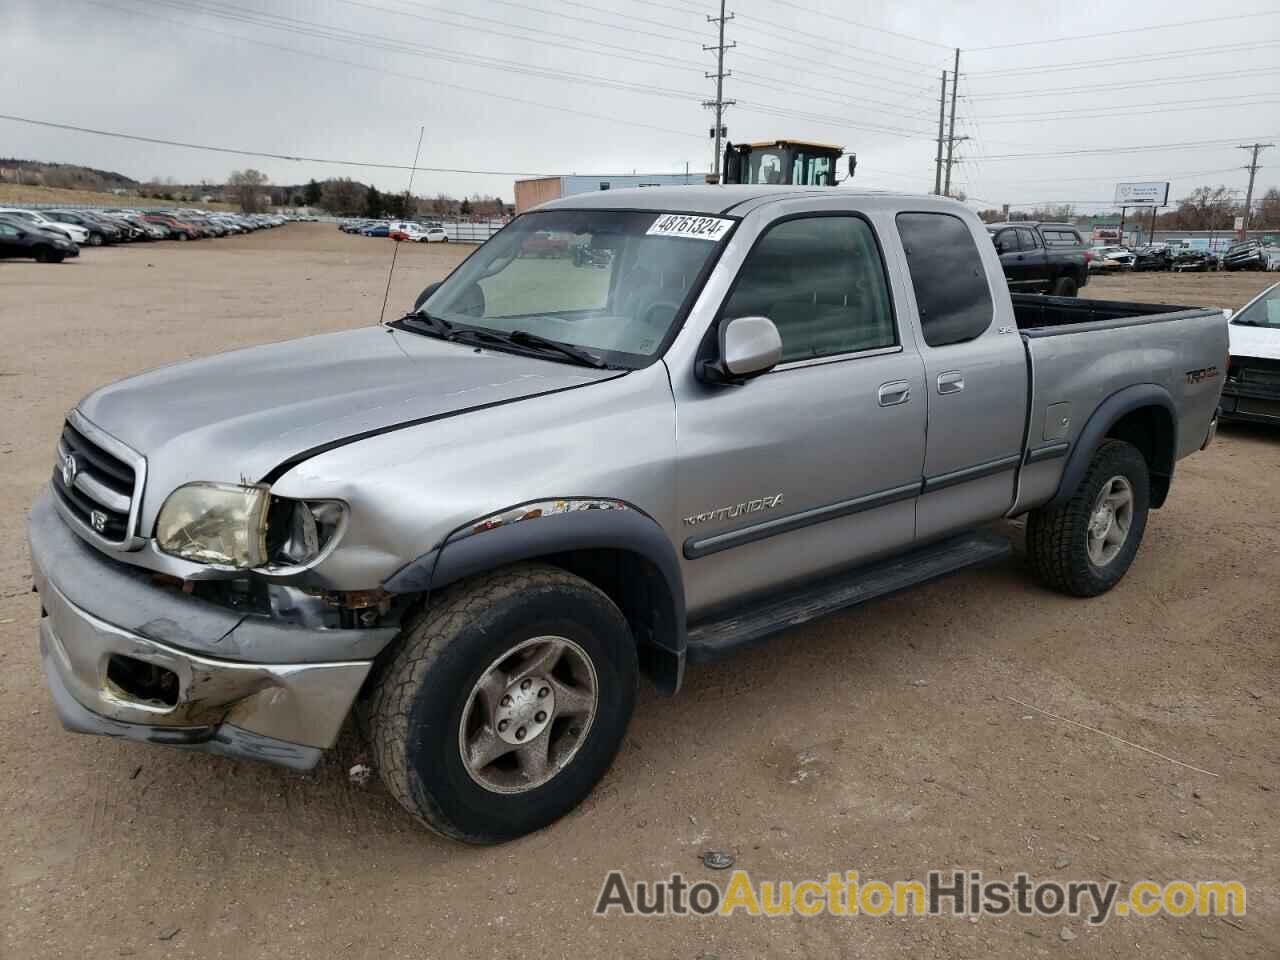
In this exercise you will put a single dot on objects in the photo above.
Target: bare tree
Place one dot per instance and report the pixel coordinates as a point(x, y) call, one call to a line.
point(246, 186)
point(343, 198)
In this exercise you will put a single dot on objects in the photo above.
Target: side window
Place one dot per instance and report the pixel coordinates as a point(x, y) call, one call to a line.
point(821, 281)
point(950, 283)
point(7, 231)
point(1006, 241)
point(1027, 238)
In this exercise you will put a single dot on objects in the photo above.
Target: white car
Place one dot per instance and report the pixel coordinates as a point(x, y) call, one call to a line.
point(1251, 390)
point(76, 233)
point(408, 230)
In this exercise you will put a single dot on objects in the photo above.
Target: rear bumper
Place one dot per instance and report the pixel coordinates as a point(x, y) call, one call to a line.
point(285, 713)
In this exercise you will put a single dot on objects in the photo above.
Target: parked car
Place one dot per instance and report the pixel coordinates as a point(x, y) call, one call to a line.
point(1041, 257)
point(21, 239)
point(408, 230)
point(178, 230)
point(1246, 255)
point(73, 232)
point(99, 233)
point(1252, 388)
point(376, 230)
point(752, 422)
point(1153, 257)
point(1273, 257)
point(1194, 260)
point(1107, 259)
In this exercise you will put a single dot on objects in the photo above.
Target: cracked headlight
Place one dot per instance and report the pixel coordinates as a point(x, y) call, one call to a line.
point(218, 523)
point(246, 527)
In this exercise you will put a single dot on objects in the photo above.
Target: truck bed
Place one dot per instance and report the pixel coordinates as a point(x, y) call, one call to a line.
point(1036, 313)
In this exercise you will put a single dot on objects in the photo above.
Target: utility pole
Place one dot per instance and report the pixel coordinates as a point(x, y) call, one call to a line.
point(1253, 172)
point(719, 103)
point(942, 116)
point(951, 130)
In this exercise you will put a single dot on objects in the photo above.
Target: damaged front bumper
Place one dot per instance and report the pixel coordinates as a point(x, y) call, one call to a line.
point(124, 657)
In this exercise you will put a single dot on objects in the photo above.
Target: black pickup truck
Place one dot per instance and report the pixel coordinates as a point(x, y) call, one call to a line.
point(1041, 257)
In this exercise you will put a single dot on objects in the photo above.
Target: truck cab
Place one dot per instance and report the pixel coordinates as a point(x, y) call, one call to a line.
point(784, 162)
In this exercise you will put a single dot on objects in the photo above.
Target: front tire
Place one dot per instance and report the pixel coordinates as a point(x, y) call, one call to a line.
point(1084, 546)
point(505, 703)
point(95, 240)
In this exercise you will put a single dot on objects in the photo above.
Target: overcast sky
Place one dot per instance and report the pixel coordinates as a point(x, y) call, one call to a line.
point(354, 80)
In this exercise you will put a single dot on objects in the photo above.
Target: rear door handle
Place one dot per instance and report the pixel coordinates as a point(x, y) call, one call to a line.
point(894, 392)
point(952, 381)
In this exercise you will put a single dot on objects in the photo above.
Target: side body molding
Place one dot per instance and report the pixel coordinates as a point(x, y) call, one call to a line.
point(1095, 430)
point(576, 533)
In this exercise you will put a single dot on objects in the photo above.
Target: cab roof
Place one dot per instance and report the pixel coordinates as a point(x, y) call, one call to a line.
point(706, 198)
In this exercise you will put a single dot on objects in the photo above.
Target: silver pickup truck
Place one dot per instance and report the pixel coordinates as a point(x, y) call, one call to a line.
point(633, 430)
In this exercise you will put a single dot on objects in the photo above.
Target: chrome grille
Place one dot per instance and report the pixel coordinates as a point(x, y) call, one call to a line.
point(98, 482)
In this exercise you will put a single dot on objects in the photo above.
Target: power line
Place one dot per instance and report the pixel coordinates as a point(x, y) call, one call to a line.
point(1152, 81)
point(824, 15)
point(1124, 60)
point(1187, 145)
point(433, 82)
point(262, 154)
point(1116, 33)
point(841, 49)
point(1207, 103)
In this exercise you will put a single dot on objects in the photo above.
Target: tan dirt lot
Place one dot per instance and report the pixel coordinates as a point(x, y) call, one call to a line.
point(882, 740)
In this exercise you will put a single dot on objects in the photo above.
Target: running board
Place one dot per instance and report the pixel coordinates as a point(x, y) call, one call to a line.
point(716, 638)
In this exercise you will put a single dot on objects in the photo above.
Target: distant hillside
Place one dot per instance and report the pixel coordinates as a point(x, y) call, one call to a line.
point(21, 194)
point(66, 176)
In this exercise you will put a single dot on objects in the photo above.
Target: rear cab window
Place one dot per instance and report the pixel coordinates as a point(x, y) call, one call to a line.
point(947, 275)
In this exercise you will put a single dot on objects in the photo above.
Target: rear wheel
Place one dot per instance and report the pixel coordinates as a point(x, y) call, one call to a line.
point(1084, 546)
point(1064, 287)
point(505, 704)
point(95, 239)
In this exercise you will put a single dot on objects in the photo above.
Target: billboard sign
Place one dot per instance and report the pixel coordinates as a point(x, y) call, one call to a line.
point(1154, 193)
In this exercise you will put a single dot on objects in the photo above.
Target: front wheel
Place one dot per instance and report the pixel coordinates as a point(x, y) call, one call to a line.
point(505, 703)
point(1084, 546)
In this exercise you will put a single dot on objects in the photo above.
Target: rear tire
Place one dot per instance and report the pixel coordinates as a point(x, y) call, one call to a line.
point(436, 719)
point(1084, 546)
point(1065, 287)
point(95, 239)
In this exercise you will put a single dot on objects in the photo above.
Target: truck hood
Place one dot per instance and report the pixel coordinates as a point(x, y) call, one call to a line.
point(238, 416)
point(1261, 342)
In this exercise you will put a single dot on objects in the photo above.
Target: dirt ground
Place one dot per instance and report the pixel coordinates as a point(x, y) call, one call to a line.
point(883, 740)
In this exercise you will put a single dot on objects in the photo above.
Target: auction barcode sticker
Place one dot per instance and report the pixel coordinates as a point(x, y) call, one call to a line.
point(694, 228)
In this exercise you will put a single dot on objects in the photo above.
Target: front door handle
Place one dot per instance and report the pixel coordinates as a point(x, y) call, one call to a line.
point(894, 392)
point(952, 381)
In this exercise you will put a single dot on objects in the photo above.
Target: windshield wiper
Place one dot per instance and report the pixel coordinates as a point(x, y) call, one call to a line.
point(522, 338)
point(438, 326)
point(526, 339)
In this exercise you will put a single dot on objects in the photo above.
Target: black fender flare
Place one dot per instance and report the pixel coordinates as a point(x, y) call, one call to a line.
point(1095, 430)
point(624, 528)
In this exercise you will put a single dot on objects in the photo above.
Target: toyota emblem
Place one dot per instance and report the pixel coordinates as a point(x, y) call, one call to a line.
point(69, 469)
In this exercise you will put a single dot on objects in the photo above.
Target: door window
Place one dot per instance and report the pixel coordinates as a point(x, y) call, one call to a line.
point(1027, 238)
point(948, 278)
point(821, 281)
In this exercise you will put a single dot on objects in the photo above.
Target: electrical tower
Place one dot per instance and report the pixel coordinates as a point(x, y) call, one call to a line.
point(719, 103)
point(1253, 172)
point(941, 185)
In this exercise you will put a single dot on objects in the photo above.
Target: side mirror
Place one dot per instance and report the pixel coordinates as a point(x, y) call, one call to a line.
point(749, 346)
point(426, 293)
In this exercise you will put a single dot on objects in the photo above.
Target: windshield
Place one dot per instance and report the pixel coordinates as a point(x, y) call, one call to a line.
point(611, 282)
point(1263, 312)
